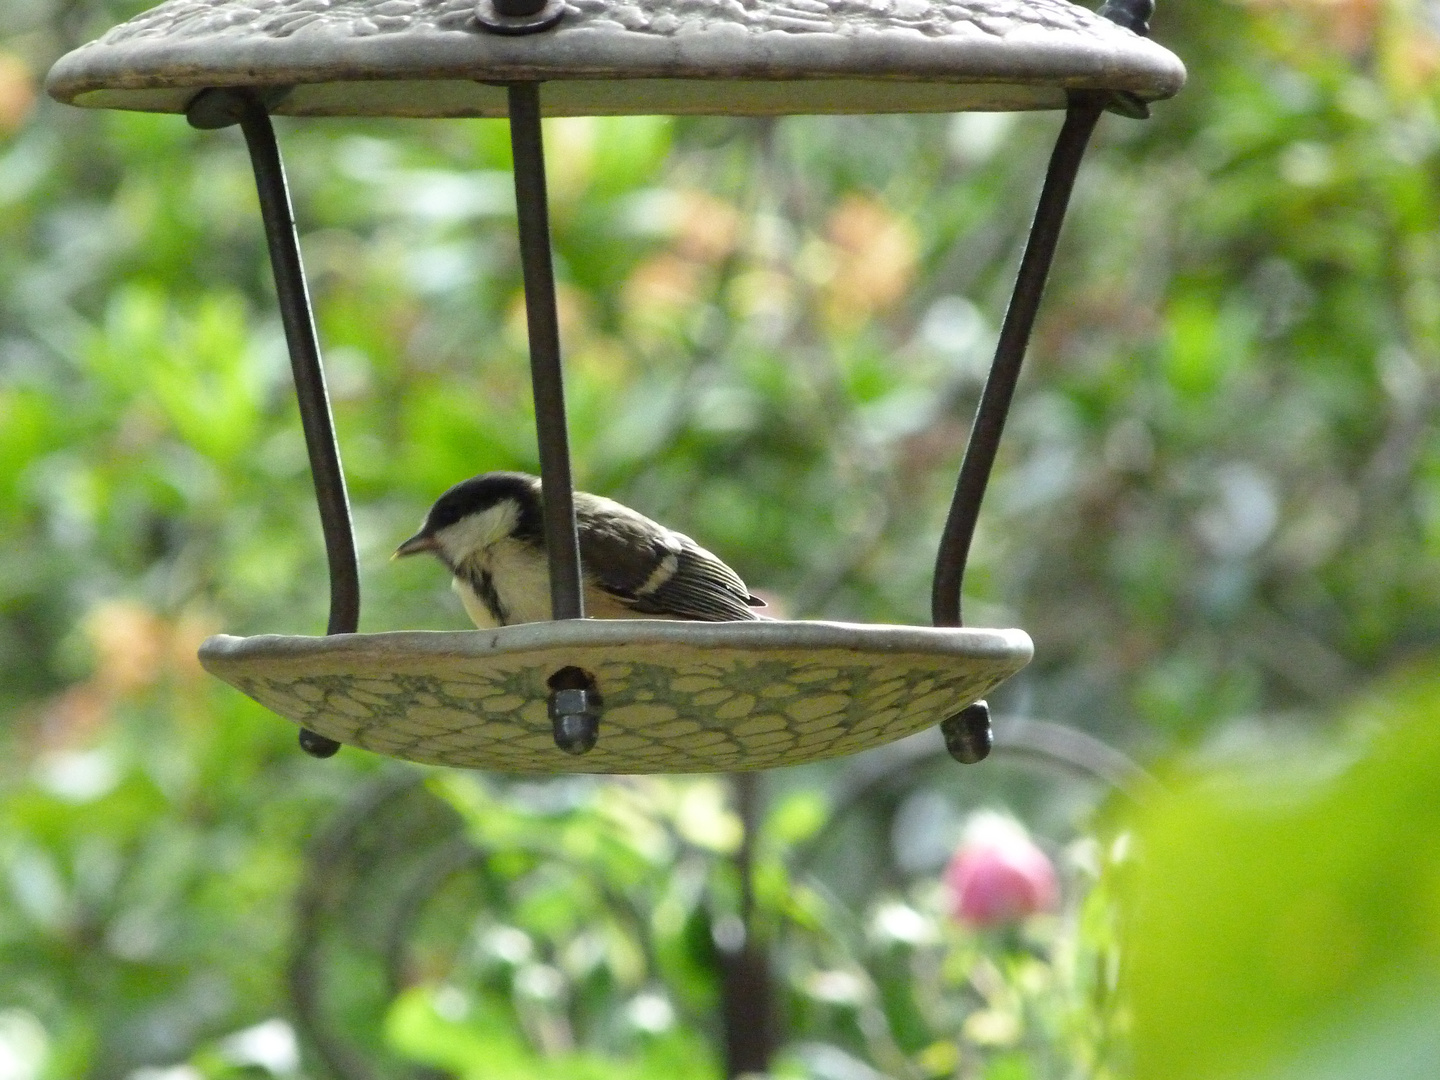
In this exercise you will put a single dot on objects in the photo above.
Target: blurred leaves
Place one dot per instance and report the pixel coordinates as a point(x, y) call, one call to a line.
point(1217, 511)
point(575, 925)
point(483, 1047)
point(1287, 913)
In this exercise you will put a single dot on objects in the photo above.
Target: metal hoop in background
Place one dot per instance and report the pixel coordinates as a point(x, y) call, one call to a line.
point(1057, 748)
point(222, 108)
point(396, 803)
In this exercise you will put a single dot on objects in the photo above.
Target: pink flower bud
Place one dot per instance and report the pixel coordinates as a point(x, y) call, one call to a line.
point(998, 875)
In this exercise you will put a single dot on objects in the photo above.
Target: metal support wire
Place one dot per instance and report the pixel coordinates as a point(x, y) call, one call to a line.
point(1080, 119)
point(562, 544)
point(221, 108)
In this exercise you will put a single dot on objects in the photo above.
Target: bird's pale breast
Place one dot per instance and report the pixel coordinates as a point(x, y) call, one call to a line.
point(520, 579)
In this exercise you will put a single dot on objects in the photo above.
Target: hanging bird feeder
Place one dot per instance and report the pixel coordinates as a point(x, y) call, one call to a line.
point(638, 695)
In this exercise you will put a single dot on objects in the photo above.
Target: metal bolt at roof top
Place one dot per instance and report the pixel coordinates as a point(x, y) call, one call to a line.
point(1134, 15)
point(516, 17)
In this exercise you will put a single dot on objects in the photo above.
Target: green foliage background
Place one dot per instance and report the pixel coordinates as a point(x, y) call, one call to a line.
point(1217, 511)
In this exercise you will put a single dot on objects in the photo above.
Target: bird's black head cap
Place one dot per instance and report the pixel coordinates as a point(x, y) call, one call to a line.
point(480, 493)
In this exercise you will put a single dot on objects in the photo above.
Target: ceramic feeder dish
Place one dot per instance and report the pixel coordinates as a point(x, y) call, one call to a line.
point(675, 697)
point(627, 696)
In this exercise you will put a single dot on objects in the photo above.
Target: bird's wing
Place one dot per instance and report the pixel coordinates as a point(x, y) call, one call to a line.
point(654, 570)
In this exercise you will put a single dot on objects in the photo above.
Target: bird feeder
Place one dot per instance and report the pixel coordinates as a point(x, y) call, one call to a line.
point(626, 696)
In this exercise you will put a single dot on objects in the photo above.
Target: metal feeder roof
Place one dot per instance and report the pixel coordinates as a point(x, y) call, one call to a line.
point(678, 697)
point(435, 58)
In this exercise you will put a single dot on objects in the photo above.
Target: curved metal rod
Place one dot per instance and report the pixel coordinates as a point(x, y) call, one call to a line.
point(1069, 750)
point(562, 543)
point(461, 854)
point(1080, 119)
point(299, 322)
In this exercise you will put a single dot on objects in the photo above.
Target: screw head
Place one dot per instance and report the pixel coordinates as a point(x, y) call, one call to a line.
point(317, 745)
point(576, 720)
point(967, 734)
point(577, 733)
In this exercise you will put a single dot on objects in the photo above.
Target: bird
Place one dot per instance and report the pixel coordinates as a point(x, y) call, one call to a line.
point(488, 532)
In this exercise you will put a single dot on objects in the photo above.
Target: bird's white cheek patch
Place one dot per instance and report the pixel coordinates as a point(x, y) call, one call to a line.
point(473, 534)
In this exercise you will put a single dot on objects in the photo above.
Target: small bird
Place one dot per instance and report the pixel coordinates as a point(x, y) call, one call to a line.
point(487, 530)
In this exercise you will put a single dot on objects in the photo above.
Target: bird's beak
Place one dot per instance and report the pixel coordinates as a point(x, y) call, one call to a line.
point(415, 545)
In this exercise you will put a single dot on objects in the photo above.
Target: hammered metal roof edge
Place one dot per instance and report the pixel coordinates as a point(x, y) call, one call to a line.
point(1143, 68)
point(1104, 56)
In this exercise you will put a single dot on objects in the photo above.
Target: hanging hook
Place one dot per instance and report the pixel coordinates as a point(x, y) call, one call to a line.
point(985, 432)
